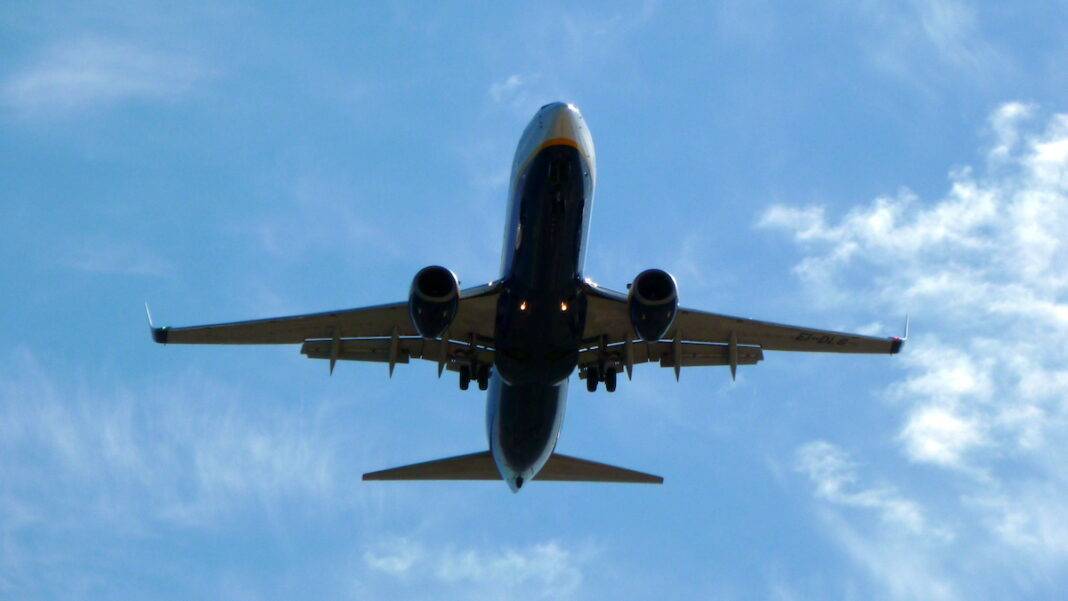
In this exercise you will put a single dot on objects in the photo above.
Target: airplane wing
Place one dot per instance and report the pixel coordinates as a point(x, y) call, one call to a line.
point(703, 338)
point(379, 333)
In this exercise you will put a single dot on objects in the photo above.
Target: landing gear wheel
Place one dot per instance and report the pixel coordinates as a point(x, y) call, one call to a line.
point(610, 380)
point(483, 377)
point(465, 377)
point(592, 376)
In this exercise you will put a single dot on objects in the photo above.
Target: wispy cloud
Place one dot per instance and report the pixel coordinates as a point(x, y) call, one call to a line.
point(905, 567)
point(109, 465)
point(507, 88)
point(93, 72)
point(185, 465)
point(395, 557)
point(985, 270)
point(523, 93)
point(834, 475)
point(898, 548)
point(925, 42)
point(321, 212)
point(548, 570)
point(103, 256)
point(587, 37)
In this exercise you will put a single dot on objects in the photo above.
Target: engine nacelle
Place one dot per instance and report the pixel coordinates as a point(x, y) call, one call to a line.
point(653, 302)
point(433, 300)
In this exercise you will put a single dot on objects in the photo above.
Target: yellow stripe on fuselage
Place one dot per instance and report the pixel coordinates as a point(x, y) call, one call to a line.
point(557, 142)
point(547, 144)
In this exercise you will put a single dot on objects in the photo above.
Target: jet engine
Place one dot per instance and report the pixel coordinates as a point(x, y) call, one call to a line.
point(433, 300)
point(653, 302)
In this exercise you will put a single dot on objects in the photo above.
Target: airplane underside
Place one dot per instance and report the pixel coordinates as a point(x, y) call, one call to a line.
point(522, 336)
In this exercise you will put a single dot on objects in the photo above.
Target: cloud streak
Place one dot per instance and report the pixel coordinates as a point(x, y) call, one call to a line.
point(547, 570)
point(82, 463)
point(113, 257)
point(927, 42)
point(96, 72)
point(835, 478)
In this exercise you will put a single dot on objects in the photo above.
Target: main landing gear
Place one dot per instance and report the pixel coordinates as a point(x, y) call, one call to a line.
point(596, 374)
point(479, 372)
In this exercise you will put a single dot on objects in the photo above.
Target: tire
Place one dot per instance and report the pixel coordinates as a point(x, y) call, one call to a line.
point(610, 380)
point(591, 379)
point(483, 377)
point(465, 377)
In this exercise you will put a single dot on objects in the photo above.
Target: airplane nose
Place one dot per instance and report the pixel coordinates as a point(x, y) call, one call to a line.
point(555, 124)
point(562, 121)
point(555, 111)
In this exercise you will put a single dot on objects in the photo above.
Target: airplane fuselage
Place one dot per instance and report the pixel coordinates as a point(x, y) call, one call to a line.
point(541, 311)
point(536, 323)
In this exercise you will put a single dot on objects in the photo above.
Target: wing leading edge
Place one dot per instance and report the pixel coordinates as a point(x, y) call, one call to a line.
point(475, 316)
point(704, 338)
point(382, 333)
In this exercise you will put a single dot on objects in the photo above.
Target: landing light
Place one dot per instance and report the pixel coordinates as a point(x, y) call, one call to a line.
point(523, 306)
point(563, 305)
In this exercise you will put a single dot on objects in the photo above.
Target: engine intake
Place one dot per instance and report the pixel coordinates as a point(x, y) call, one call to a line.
point(433, 300)
point(653, 303)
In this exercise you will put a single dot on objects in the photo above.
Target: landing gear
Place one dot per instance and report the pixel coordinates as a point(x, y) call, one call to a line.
point(595, 375)
point(465, 377)
point(610, 380)
point(479, 373)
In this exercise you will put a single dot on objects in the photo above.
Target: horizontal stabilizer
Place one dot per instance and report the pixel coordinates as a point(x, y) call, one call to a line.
point(476, 466)
point(564, 468)
point(480, 466)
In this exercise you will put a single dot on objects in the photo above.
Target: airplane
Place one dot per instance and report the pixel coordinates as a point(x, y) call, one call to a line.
point(522, 336)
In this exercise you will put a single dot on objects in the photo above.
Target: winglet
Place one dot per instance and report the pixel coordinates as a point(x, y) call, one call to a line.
point(158, 334)
point(897, 343)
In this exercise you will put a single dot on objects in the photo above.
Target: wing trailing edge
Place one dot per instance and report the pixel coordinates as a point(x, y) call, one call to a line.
point(480, 466)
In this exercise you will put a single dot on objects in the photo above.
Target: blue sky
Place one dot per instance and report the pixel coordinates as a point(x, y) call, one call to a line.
point(837, 167)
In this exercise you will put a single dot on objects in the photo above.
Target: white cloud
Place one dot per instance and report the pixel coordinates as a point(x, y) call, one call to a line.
point(321, 212)
point(987, 265)
point(116, 257)
point(395, 558)
point(939, 435)
point(984, 271)
point(1006, 123)
point(949, 25)
point(547, 566)
point(91, 72)
point(905, 567)
point(501, 91)
point(834, 475)
point(101, 467)
point(898, 548)
point(928, 42)
point(523, 93)
point(547, 570)
point(131, 457)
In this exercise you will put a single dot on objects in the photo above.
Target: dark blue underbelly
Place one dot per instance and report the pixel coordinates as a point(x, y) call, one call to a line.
point(540, 314)
point(529, 417)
